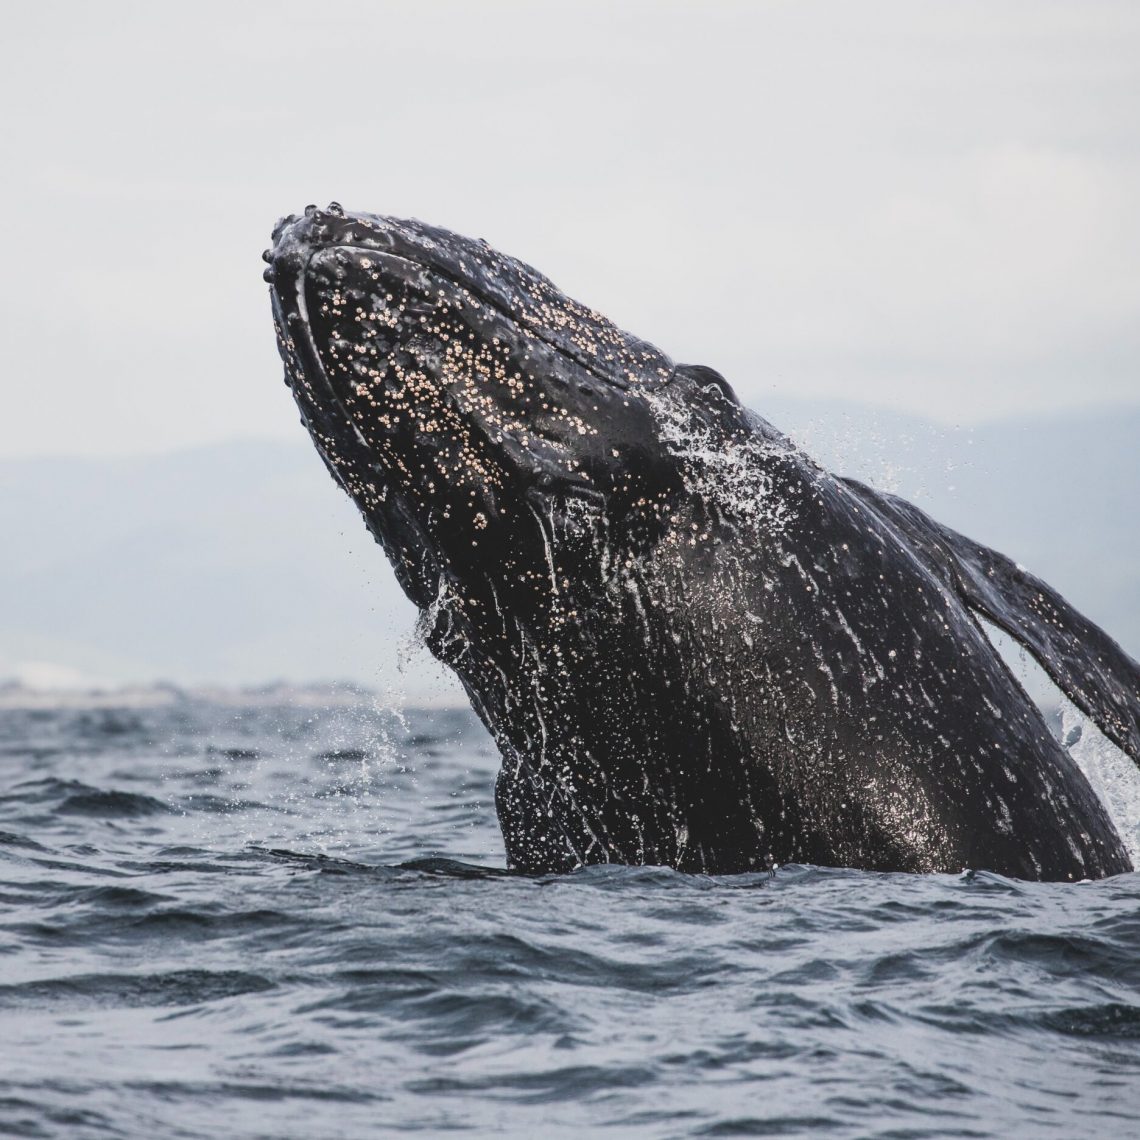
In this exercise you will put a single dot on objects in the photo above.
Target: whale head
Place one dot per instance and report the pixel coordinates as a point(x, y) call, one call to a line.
point(462, 400)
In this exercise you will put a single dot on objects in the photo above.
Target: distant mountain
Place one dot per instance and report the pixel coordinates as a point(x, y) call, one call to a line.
point(243, 563)
point(237, 564)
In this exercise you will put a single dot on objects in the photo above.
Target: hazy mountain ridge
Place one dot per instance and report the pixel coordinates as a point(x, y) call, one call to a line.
point(240, 563)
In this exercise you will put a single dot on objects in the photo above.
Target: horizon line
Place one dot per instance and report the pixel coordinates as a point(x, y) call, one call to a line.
point(1087, 411)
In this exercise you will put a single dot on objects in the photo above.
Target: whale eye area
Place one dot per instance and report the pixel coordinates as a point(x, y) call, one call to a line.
point(709, 380)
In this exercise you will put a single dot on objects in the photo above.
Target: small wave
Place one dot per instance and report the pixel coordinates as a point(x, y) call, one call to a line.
point(108, 722)
point(72, 797)
point(317, 861)
point(1063, 955)
point(433, 865)
point(453, 868)
point(570, 1082)
point(1109, 1019)
point(425, 740)
point(112, 804)
point(234, 753)
point(115, 898)
point(11, 839)
point(345, 755)
point(224, 805)
point(105, 991)
point(775, 1126)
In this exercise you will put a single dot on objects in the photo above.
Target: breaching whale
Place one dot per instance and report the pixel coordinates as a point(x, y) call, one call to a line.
point(693, 645)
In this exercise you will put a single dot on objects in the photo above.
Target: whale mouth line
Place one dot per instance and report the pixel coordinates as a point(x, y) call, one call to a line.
point(314, 366)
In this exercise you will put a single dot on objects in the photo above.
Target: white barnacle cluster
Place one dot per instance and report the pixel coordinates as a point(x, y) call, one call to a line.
point(495, 390)
point(402, 357)
point(424, 361)
point(568, 324)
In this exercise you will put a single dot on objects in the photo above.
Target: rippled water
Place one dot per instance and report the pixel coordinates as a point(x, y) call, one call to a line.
point(288, 922)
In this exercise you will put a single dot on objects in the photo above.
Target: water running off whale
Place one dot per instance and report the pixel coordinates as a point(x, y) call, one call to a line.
point(693, 646)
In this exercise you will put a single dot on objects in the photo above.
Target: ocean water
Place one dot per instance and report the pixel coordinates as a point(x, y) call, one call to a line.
point(240, 919)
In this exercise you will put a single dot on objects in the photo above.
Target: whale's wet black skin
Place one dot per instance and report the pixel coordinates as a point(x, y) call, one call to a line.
point(693, 645)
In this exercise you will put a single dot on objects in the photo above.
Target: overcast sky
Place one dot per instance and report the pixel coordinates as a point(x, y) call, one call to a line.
point(931, 206)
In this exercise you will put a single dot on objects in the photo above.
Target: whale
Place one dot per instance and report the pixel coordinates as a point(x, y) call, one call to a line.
point(694, 647)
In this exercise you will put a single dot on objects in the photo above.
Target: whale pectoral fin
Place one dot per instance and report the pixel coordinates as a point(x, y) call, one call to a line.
point(1085, 663)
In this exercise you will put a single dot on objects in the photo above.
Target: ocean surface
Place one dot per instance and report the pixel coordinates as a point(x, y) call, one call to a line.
point(276, 919)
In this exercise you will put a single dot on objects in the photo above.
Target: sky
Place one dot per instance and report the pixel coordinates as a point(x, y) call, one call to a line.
point(925, 206)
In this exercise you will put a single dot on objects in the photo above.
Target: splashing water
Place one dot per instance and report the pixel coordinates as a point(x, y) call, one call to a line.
point(733, 473)
point(1114, 777)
